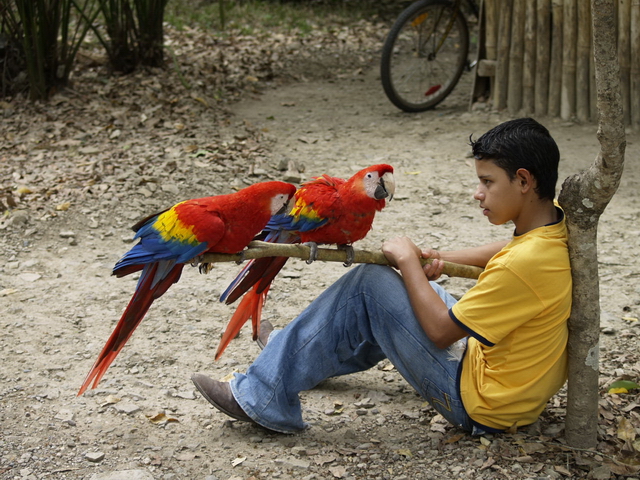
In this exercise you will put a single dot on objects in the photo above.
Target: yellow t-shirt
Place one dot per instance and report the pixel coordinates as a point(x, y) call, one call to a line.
point(516, 316)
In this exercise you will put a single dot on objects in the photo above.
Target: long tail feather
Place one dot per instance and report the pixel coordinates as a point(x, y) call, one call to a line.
point(249, 307)
point(138, 306)
point(261, 273)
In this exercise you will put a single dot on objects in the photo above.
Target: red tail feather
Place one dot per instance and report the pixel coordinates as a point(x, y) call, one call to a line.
point(249, 307)
point(131, 318)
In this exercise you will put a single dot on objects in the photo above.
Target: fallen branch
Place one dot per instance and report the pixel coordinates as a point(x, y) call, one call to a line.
point(259, 249)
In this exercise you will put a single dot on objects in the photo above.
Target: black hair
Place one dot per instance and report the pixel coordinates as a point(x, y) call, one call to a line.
point(522, 143)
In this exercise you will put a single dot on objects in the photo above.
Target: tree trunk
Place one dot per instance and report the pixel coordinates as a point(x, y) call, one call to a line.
point(584, 197)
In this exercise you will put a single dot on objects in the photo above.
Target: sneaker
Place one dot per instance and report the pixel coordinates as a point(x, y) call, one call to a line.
point(219, 395)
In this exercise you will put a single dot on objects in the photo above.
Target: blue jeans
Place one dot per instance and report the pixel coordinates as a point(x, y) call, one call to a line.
point(361, 319)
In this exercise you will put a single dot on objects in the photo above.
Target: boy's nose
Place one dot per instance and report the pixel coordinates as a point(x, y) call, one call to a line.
point(478, 195)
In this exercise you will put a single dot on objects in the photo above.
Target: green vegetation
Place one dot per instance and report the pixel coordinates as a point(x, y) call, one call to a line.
point(252, 16)
point(39, 39)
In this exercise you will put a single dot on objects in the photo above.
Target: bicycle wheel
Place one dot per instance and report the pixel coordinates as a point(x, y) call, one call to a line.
point(424, 55)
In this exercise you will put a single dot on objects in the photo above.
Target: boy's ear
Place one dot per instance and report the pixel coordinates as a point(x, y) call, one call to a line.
point(525, 180)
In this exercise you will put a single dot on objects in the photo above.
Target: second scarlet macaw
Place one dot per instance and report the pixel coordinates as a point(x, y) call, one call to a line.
point(178, 235)
point(327, 210)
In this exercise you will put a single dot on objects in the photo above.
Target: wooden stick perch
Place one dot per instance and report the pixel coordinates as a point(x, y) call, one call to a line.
point(259, 249)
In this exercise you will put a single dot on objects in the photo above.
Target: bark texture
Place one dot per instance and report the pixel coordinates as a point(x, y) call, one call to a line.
point(584, 197)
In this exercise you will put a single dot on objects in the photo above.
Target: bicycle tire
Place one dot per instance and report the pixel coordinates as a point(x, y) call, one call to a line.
point(418, 79)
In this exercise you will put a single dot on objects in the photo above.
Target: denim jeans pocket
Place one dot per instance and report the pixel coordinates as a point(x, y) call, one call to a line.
point(447, 404)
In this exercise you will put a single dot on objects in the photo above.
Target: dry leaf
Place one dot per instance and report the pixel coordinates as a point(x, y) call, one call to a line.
point(162, 418)
point(562, 470)
point(405, 452)
point(529, 448)
point(455, 438)
point(626, 431)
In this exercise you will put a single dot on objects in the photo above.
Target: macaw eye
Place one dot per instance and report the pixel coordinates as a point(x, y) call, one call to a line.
point(369, 175)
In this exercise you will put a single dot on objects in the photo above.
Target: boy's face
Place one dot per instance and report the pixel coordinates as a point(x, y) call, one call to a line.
point(500, 197)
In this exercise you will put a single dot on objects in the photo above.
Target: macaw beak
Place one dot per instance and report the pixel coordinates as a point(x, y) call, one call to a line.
point(283, 209)
point(386, 187)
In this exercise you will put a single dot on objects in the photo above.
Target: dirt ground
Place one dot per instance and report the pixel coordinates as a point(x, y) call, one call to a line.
point(77, 185)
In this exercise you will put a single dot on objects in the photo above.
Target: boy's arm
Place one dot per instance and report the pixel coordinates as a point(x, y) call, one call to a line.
point(478, 256)
point(429, 308)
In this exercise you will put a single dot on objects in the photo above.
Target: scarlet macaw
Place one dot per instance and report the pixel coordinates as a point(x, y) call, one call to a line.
point(327, 210)
point(178, 235)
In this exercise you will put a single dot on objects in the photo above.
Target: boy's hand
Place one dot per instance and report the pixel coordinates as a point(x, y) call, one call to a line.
point(401, 249)
point(434, 269)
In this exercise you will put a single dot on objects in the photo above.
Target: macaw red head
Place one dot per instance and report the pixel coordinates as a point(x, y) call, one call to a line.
point(377, 181)
point(275, 194)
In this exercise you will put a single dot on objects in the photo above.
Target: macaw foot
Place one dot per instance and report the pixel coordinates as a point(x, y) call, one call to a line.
point(205, 267)
point(351, 256)
point(241, 259)
point(313, 253)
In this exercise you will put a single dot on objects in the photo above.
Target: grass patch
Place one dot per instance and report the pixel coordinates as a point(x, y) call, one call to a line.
point(253, 16)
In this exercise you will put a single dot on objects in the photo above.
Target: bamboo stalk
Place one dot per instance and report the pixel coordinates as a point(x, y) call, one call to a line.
point(635, 63)
point(569, 53)
point(529, 70)
point(516, 57)
point(491, 29)
point(582, 62)
point(555, 64)
point(624, 55)
point(259, 249)
point(543, 51)
point(502, 61)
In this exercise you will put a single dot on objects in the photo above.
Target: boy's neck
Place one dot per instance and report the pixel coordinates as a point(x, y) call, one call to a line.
point(538, 214)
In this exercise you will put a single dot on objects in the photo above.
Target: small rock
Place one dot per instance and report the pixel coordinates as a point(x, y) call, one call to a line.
point(64, 416)
point(365, 403)
point(67, 234)
point(187, 395)
point(127, 408)
point(603, 472)
point(293, 177)
point(19, 218)
point(299, 451)
point(94, 457)
point(123, 475)
point(171, 188)
point(29, 277)
point(292, 463)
